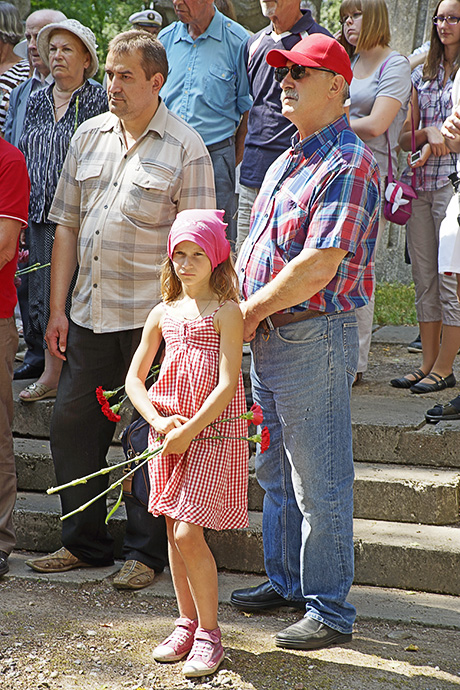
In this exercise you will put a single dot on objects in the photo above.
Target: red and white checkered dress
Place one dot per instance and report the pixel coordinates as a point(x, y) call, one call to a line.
point(206, 485)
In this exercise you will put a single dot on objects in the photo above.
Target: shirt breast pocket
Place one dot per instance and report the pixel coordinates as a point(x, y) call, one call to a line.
point(88, 176)
point(149, 191)
point(427, 99)
point(220, 86)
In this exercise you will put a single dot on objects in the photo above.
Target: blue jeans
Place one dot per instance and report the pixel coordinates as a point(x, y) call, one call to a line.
point(301, 376)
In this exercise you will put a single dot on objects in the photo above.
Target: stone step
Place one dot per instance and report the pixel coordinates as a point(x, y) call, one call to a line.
point(390, 430)
point(385, 429)
point(34, 466)
point(34, 419)
point(382, 492)
point(426, 495)
point(419, 557)
point(429, 496)
point(388, 554)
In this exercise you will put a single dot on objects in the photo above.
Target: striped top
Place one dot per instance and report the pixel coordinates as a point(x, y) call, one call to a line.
point(45, 142)
point(124, 202)
point(8, 81)
point(323, 192)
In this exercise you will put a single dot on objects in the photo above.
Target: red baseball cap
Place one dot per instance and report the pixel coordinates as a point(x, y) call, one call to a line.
point(316, 50)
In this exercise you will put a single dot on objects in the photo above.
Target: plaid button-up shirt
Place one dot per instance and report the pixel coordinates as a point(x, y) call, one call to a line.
point(323, 192)
point(124, 202)
point(435, 106)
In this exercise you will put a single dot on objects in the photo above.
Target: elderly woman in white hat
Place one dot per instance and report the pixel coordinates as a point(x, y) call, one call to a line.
point(53, 115)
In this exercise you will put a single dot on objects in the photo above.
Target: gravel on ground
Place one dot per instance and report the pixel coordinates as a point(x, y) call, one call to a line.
point(91, 637)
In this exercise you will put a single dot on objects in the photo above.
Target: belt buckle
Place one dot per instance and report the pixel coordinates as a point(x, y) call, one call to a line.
point(267, 326)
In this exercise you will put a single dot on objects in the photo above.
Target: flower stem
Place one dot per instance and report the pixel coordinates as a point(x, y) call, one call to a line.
point(29, 269)
point(112, 486)
point(99, 473)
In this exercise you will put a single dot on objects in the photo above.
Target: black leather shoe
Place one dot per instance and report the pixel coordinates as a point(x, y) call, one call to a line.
point(27, 371)
point(4, 567)
point(439, 383)
point(261, 597)
point(310, 634)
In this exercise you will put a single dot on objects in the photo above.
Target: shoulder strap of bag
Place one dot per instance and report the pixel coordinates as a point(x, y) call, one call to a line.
point(390, 165)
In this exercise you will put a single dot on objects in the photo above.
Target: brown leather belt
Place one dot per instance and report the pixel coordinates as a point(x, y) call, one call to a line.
point(277, 320)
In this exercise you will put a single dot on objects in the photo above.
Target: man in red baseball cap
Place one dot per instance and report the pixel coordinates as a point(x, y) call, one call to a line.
point(316, 63)
point(306, 265)
point(316, 51)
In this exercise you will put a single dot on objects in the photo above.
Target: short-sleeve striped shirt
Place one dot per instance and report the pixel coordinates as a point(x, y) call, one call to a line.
point(124, 202)
point(323, 192)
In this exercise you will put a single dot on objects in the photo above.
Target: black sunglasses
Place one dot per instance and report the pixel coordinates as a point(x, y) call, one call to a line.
point(297, 72)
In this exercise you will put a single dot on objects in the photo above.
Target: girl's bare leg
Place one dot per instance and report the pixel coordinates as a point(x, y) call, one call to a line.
point(195, 574)
point(179, 576)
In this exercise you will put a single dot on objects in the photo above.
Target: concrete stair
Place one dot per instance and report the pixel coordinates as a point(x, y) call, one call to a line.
point(407, 496)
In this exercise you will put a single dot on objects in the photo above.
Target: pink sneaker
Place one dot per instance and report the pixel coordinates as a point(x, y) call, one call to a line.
point(207, 654)
point(179, 643)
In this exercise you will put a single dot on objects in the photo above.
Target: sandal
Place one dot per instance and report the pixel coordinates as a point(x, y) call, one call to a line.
point(404, 382)
point(444, 413)
point(37, 391)
point(439, 383)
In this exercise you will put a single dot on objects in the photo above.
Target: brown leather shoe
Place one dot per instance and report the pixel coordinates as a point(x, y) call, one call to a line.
point(57, 562)
point(134, 575)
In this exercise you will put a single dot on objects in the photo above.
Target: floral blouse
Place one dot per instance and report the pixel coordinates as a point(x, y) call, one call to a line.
point(45, 142)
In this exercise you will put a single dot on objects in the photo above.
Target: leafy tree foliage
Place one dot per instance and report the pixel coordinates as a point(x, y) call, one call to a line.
point(108, 17)
point(105, 17)
point(329, 15)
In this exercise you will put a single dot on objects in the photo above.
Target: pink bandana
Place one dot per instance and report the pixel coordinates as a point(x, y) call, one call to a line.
point(206, 228)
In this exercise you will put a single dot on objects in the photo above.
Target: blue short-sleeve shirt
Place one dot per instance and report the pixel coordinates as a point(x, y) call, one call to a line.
point(207, 83)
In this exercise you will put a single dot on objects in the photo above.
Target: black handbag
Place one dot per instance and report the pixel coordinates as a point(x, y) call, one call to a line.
point(134, 441)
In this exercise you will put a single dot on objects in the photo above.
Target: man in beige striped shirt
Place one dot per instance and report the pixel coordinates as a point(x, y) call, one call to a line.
point(126, 176)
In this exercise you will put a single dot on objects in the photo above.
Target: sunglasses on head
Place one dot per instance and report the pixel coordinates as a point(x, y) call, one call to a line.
point(297, 72)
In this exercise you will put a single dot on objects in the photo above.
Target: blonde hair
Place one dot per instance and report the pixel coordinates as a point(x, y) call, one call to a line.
point(223, 281)
point(375, 27)
point(436, 54)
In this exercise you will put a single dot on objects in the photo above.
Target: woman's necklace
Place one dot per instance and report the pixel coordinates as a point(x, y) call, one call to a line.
point(56, 107)
point(200, 314)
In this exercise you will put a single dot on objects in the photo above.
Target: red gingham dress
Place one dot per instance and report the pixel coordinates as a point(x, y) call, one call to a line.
point(207, 485)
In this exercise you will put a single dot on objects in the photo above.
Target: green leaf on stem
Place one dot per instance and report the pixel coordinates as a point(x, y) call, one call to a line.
point(116, 506)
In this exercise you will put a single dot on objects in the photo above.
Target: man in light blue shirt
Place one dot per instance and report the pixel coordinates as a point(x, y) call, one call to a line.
point(208, 87)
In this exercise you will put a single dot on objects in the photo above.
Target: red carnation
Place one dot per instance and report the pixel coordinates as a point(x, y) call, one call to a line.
point(109, 413)
point(257, 415)
point(265, 442)
point(102, 400)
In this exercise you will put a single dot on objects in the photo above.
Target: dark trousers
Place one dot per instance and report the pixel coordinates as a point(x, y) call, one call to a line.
point(35, 355)
point(80, 438)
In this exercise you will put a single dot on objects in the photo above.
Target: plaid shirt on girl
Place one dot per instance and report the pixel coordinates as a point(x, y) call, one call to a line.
point(435, 106)
point(323, 192)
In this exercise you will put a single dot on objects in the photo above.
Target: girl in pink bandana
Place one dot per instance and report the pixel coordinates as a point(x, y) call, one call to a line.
point(197, 482)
